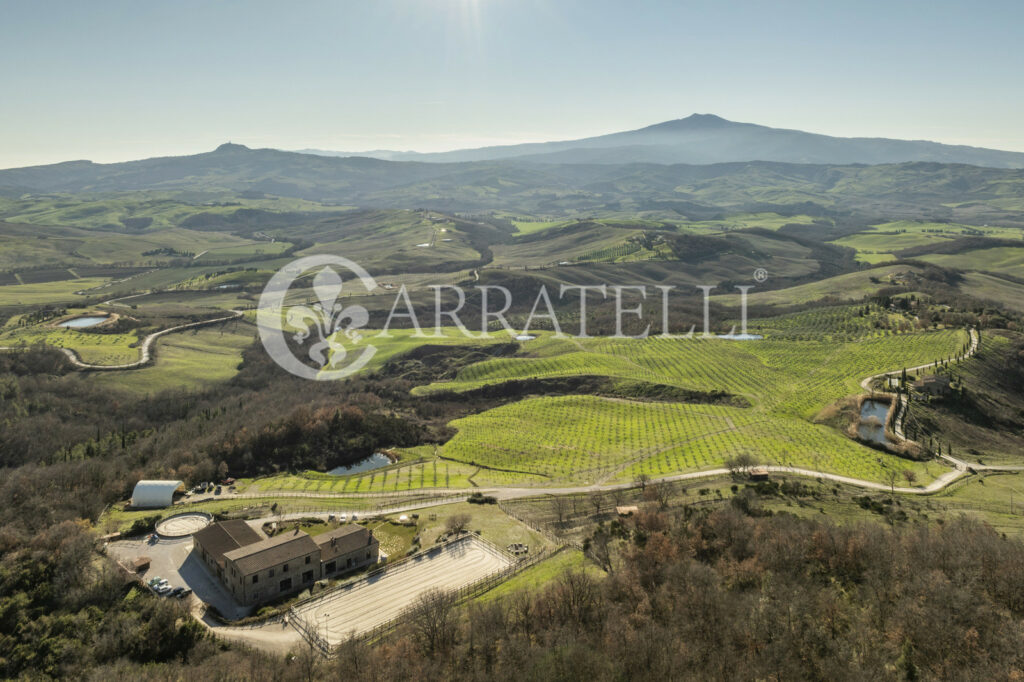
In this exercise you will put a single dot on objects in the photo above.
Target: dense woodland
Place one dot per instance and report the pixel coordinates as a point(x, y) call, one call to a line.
point(703, 595)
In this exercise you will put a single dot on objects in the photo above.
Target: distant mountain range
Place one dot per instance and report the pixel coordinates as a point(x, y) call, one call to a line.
point(705, 139)
point(558, 182)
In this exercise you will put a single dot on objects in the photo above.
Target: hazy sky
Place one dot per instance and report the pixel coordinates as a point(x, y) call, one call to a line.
point(111, 81)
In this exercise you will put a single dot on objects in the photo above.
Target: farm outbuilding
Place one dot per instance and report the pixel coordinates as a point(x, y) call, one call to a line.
point(155, 494)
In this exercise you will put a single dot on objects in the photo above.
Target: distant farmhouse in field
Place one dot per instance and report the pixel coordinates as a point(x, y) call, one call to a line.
point(933, 384)
point(255, 569)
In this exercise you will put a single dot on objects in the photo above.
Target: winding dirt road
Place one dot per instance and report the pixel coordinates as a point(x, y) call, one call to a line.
point(145, 356)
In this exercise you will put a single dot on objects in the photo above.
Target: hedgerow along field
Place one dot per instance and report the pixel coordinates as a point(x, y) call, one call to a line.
point(805, 363)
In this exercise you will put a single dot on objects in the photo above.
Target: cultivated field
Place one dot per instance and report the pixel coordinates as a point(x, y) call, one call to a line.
point(92, 347)
point(805, 363)
point(190, 359)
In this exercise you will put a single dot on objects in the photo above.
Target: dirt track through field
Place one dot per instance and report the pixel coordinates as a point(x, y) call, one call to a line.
point(147, 343)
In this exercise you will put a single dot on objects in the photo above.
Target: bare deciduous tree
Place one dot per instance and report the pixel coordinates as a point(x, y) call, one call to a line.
point(560, 508)
point(741, 463)
point(578, 597)
point(599, 549)
point(891, 476)
point(434, 622)
point(456, 523)
point(660, 493)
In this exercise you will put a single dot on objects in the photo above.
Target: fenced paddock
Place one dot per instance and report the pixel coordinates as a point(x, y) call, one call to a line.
point(377, 601)
point(181, 525)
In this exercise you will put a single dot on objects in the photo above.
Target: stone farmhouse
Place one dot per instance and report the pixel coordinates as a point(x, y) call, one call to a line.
point(256, 569)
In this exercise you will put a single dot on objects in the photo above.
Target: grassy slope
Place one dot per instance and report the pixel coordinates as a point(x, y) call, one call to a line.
point(166, 209)
point(880, 242)
point(188, 360)
point(988, 424)
point(1000, 260)
point(852, 286)
point(47, 292)
point(990, 288)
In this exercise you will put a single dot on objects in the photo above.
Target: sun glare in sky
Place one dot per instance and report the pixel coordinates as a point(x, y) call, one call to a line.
point(109, 83)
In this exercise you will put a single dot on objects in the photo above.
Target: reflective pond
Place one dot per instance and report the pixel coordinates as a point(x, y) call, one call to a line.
point(374, 461)
point(82, 322)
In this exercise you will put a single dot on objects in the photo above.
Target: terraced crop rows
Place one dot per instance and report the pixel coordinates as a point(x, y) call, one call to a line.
point(413, 476)
point(569, 437)
point(804, 364)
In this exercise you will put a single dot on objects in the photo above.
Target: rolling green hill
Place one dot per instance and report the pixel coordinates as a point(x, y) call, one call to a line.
point(923, 190)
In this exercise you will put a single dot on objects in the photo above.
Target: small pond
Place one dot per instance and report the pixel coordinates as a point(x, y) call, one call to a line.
point(374, 461)
point(872, 420)
point(82, 322)
point(525, 337)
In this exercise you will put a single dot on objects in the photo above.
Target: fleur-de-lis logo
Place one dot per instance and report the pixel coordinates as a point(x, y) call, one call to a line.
point(328, 318)
point(326, 322)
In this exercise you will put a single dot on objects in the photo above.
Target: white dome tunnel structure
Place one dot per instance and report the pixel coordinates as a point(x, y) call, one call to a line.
point(155, 494)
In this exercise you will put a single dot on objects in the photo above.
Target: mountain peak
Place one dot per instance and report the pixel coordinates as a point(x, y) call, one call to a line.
point(231, 147)
point(693, 122)
point(705, 118)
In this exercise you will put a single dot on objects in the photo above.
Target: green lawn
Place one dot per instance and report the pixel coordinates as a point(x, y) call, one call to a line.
point(997, 499)
point(494, 525)
point(543, 573)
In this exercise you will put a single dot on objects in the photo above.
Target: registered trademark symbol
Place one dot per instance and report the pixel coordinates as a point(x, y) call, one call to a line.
point(760, 275)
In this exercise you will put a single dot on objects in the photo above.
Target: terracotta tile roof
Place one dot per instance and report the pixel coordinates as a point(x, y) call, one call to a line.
point(220, 538)
point(347, 538)
point(271, 552)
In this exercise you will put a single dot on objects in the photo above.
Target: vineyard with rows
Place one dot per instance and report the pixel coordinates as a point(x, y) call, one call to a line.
point(99, 349)
point(412, 475)
point(805, 363)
